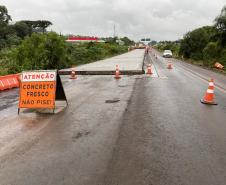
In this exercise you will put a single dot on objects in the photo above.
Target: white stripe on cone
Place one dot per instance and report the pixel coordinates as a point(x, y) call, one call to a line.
point(210, 91)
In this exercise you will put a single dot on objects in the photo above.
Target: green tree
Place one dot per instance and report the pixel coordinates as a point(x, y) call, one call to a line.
point(153, 42)
point(56, 56)
point(9, 34)
point(4, 20)
point(13, 40)
point(37, 26)
point(194, 42)
point(21, 29)
point(4, 16)
point(223, 57)
point(127, 41)
point(220, 24)
point(43, 24)
point(211, 53)
point(41, 52)
point(111, 40)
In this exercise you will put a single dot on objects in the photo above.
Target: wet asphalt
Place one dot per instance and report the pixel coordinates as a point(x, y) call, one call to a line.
point(158, 133)
point(168, 137)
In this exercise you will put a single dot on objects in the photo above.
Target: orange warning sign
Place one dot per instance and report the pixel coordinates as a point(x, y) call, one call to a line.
point(38, 89)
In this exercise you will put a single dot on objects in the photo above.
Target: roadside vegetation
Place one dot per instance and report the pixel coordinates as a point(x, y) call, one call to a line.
point(26, 45)
point(174, 46)
point(203, 46)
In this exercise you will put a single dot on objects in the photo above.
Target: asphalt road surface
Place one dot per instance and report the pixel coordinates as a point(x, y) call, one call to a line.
point(139, 130)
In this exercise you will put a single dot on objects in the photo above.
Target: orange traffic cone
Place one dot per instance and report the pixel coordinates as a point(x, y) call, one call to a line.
point(149, 69)
point(218, 65)
point(73, 75)
point(117, 73)
point(209, 96)
point(170, 66)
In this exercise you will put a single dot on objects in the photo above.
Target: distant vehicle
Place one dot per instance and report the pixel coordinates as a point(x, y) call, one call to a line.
point(167, 54)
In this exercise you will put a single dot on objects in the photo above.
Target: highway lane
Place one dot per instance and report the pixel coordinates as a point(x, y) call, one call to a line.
point(71, 147)
point(196, 70)
point(158, 133)
point(8, 98)
point(168, 136)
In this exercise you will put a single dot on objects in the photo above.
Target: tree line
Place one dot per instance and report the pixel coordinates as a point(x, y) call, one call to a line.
point(13, 34)
point(205, 45)
point(26, 45)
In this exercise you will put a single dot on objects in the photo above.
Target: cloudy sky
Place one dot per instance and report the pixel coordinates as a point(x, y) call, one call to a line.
point(157, 19)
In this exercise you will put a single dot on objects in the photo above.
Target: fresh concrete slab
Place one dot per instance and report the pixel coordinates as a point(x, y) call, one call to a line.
point(129, 63)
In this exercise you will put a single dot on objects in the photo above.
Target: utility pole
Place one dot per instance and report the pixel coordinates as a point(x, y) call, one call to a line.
point(114, 32)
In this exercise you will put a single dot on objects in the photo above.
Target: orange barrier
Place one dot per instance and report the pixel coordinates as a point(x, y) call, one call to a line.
point(209, 95)
point(218, 65)
point(9, 81)
point(117, 73)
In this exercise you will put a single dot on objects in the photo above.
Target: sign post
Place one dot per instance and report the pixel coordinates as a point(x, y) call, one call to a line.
point(40, 89)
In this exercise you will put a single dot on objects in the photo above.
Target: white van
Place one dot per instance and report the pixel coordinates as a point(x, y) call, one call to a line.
point(167, 54)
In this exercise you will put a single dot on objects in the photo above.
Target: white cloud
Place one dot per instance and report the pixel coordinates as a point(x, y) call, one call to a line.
point(158, 19)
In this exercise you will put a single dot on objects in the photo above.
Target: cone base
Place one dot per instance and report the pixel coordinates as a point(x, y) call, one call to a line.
point(117, 77)
point(73, 78)
point(208, 103)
